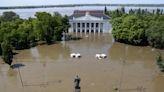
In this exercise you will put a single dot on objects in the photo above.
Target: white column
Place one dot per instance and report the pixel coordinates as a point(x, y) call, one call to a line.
point(99, 27)
point(80, 29)
point(76, 27)
point(94, 30)
point(71, 27)
point(85, 28)
point(94, 26)
point(90, 27)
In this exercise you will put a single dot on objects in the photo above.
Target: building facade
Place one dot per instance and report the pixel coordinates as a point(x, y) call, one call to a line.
point(89, 21)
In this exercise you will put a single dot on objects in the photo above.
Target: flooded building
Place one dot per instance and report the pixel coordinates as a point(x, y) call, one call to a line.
point(89, 21)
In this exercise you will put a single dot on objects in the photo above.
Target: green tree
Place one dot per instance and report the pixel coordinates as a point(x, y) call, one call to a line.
point(9, 15)
point(7, 54)
point(22, 33)
point(105, 9)
point(45, 26)
point(122, 10)
point(140, 27)
point(131, 11)
point(155, 34)
point(0, 50)
point(138, 11)
point(65, 23)
point(129, 29)
point(60, 25)
point(158, 11)
point(160, 62)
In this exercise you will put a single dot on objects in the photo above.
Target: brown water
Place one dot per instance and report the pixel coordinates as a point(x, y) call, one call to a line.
point(49, 68)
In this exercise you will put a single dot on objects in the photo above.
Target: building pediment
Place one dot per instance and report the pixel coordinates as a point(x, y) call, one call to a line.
point(88, 17)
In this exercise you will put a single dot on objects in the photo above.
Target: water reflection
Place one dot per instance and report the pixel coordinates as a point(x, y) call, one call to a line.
point(35, 53)
point(91, 44)
point(51, 66)
point(11, 73)
point(44, 53)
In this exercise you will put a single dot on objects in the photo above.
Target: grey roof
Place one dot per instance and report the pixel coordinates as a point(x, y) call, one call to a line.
point(95, 13)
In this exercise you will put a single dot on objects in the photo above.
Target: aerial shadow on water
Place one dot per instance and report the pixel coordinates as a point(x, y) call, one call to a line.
point(17, 65)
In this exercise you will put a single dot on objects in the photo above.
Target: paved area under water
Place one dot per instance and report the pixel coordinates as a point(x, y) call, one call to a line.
point(49, 68)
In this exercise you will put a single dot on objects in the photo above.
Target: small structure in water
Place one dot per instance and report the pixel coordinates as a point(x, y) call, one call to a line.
point(77, 84)
point(75, 55)
point(100, 56)
point(78, 55)
point(103, 56)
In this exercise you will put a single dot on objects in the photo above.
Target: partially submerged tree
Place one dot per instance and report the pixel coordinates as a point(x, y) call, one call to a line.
point(138, 27)
point(25, 33)
point(7, 54)
point(0, 50)
point(160, 62)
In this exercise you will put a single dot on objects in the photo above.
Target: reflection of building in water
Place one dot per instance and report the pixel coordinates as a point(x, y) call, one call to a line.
point(54, 52)
point(89, 21)
point(91, 45)
point(35, 53)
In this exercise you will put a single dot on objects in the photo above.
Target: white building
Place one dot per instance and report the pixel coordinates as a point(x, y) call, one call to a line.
point(89, 21)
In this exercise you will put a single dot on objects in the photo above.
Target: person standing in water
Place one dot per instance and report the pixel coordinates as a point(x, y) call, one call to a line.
point(77, 84)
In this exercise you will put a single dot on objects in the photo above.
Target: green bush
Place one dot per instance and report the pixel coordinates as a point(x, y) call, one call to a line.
point(160, 62)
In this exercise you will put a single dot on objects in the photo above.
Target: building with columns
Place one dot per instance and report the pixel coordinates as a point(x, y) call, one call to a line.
point(89, 21)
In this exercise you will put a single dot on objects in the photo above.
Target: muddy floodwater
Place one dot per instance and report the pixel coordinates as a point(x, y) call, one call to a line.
point(49, 68)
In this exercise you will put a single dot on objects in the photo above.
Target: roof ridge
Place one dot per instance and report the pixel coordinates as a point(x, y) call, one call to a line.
point(98, 13)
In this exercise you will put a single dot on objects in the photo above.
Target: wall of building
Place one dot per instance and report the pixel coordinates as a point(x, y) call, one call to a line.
point(106, 25)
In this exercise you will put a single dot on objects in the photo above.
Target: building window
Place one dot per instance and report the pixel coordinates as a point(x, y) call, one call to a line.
point(83, 24)
point(74, 25)
point(88, 30)
point(97, 24)
point(101, 24)
point(92, 24)
point(92, 30)
point(83, 30)
point(78, 30)
point(101, 30)
point(96, 30)
point(78, 24)
point(74, 30)
point(87, 24)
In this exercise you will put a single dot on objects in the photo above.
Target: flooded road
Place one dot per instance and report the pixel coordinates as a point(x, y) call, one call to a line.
point(49, 68)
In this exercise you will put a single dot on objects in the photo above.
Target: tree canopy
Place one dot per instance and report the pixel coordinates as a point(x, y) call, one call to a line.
point(138, 27)
point(7, 54)
point(20, 33)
